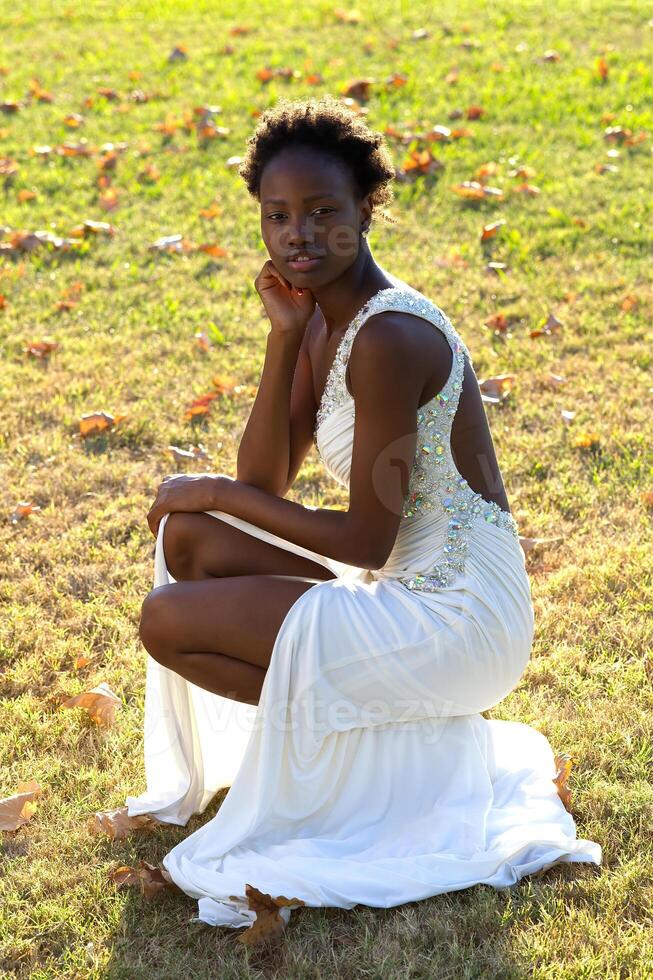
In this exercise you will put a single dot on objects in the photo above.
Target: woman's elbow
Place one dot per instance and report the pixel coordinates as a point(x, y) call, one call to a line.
point(372, 556)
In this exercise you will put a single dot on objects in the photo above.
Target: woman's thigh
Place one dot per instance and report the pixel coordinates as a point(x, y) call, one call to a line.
point(236, 616)
point(197, 545)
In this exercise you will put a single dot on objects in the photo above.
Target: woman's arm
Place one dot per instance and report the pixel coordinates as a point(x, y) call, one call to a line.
point(387, 378)
point(472, 446)
point(272, 443)
point(264, 452)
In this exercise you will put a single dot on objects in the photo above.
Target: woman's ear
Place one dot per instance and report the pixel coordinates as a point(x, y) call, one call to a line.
point(365, 215)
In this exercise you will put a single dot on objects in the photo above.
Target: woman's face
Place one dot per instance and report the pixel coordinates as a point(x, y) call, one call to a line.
point(309, 204)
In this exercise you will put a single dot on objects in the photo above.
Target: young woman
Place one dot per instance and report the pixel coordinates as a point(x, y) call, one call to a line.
point(331, 666)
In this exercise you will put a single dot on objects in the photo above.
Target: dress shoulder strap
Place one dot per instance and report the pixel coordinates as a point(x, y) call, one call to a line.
point(405, 299)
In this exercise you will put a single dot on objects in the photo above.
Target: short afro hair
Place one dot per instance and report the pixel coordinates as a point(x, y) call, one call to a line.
point(329, 126)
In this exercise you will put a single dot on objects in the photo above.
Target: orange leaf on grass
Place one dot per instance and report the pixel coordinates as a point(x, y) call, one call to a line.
point(418, 163)
point(178, 53)
point(212, 249)
point(95, 422)
point(270, 920)
point(93, 228)
point(498, 322)
point(196, 411)
point(347, 16)
point(213, 211)
point(203, 340)
point(22, 510)
point(359, 89)
point(225, 385)
point(526, 188)
point(629, 302)
point(151, 879)
point(101, 704)
point(193, 452)
point(551, 326)
point(118, 825)
point(41, 348)
point(587, 440)
point(109, 200)
point(17, 809)
point(490, 230)
point(497, 388)
point(563, 766)
point(205, 398)
point(475, 191)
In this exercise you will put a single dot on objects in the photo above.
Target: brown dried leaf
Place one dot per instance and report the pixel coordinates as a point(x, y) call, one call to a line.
point(563, 765)
point(498, 322)
point(269, 923)
point(473, 190)
point(101, 704)
point(117, 824)
point(22, 510)
point(497, 388)
point(358, 89)
point(551, 326)
point(193, 452)
point(95, 422)
point(490, 230)
point(41, 348)
point(178, 53)
point(347, 16)
point(418, 163)
point(587, 440)
point(17, 809)
point(150, 878)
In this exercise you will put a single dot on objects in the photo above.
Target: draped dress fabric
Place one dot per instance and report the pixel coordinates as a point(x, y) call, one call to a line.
point(367, 773)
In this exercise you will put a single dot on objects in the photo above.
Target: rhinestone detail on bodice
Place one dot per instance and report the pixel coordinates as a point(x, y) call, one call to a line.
point(434, 480)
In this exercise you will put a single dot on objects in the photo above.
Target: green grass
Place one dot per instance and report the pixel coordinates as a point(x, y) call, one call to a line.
point(75, 574)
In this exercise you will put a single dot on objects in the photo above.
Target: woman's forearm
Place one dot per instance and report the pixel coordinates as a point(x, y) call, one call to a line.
point(327, 532)
point(264, 452)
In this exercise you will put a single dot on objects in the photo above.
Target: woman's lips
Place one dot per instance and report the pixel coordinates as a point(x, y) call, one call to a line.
point(303, 266)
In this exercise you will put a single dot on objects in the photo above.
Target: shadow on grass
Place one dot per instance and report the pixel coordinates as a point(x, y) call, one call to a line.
point(468, 933)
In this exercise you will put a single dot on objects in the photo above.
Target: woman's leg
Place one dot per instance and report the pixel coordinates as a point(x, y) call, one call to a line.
point(219, 633)
point(239, 621)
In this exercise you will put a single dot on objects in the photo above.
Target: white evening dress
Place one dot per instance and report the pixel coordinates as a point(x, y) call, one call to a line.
point(367, 773)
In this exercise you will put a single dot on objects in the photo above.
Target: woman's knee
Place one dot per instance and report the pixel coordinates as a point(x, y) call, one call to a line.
point(155, 629)
point(181, 537)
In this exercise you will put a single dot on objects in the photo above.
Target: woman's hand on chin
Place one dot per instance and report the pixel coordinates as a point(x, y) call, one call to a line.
point(190, 492)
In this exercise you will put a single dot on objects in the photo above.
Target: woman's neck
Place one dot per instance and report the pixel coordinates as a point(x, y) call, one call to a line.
point(340, 300)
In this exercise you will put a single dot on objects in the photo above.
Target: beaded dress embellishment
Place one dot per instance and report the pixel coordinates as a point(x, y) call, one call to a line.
point(434, 480)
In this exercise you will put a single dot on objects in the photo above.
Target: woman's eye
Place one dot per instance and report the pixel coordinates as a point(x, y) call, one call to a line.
point(278, 214)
